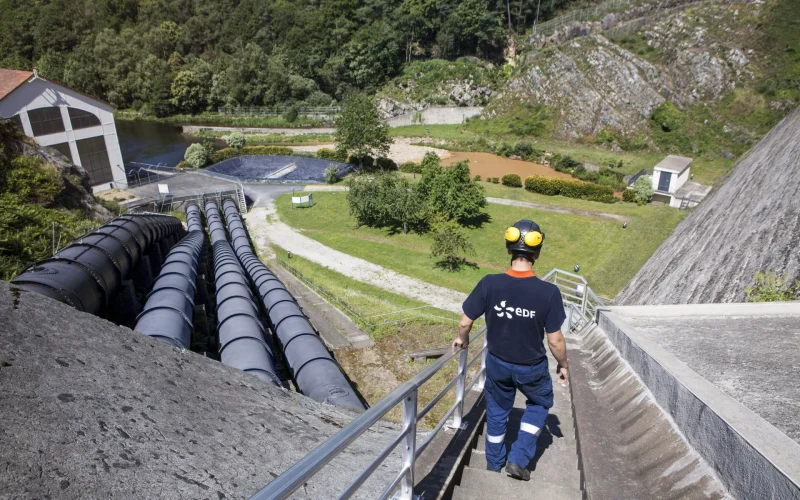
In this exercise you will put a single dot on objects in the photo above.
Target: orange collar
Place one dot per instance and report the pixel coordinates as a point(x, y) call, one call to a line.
point(520, 274)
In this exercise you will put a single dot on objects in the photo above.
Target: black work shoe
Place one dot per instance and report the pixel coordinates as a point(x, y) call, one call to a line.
point(517, 472)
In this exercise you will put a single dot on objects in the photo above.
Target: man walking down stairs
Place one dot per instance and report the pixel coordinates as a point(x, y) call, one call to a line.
point(520, 309)
point(554, 469)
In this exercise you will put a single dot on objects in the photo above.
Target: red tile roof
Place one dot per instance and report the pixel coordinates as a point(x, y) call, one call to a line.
point(10, 79)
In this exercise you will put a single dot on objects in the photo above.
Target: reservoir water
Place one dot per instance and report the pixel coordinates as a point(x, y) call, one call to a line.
point(151, 142)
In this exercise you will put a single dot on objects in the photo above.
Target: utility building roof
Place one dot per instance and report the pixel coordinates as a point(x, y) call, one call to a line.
point(673, 163)
point(10, 79)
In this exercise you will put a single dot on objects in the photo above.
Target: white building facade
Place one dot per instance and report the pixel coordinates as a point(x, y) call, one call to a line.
point(78, 126)
point(668, 177)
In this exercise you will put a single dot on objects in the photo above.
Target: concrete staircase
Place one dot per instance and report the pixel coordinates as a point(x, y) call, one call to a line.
point(554, 470)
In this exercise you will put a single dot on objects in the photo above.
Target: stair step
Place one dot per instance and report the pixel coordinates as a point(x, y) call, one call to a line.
point(560, 465)
point(483, 484)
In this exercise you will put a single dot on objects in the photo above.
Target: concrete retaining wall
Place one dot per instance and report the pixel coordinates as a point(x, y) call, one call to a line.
point(437, 116)
point(752, 458)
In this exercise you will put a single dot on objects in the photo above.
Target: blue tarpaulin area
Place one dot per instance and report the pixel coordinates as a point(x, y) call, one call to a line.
point(278, 168)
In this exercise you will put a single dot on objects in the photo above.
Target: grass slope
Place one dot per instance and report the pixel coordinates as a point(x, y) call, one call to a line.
point(609, 256)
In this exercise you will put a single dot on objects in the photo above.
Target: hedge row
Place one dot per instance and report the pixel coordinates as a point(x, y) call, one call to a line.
point(228, 153)
point(332, 154)
point(572, 189)
point(629, 195)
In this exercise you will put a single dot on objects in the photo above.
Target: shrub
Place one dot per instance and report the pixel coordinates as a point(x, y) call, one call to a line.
point(228, 153)
point(236, 140)
point(644, 189)
point(565, 164)
point(512, 180)
point(524, 149)
point(196, 156)
point(366, 162)
point(33, 180)
point(386, 164)
point(477, 178)
point(331, 154)
point(504, 149)
point(183, 165)
point(668, 117)
point(291, 114)
point(411, 167)
point(331, 174)
point(629, 195)
point(494, 180)
point(571, 189)
point(770, 287)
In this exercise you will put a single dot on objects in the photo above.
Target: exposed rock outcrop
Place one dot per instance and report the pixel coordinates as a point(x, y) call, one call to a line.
point(751, 223)
point(688, 57)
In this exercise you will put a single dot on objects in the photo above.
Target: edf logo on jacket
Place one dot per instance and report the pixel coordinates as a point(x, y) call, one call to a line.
point(518, 310)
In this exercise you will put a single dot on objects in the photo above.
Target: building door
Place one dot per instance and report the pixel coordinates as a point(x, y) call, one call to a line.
point(94, 159)
point(663, 181)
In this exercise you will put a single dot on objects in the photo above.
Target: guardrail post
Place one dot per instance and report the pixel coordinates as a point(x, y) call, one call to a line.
point(462, 382)
point(409, 444)
point(583, 299)
point(482, 377)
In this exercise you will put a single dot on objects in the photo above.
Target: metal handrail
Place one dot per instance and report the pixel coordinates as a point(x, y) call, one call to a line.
point(285, 484)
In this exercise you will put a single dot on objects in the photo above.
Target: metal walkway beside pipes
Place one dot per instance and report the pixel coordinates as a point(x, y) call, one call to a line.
point(316, 373)
point(169, 310)
point(88, 273)
point(241, 334)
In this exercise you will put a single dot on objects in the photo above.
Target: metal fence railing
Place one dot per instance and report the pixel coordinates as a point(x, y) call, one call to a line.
point(576, 293)
point(407, 395)
point(586, 14)
point(581, 308)
point(311, 111)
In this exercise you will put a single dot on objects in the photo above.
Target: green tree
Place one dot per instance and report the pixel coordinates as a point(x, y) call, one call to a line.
point(185, 92)
point(452, 193)
point(643, 187)
point(771, 287)
point(196, 155)
point(385, 199)
point(360, 130)
point(236, 140)
point(450, 243)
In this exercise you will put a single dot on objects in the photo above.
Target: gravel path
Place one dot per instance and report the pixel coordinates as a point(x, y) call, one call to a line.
point(400, 151)
point(265, 227)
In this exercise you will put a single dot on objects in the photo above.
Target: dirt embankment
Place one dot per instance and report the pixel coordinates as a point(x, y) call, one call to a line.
point(490, 165)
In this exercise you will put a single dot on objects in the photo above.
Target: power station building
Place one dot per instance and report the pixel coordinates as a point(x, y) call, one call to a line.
point(80, 127)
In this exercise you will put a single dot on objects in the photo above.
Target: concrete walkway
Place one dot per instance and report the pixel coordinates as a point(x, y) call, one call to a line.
point(265, 228)
point(554, 469)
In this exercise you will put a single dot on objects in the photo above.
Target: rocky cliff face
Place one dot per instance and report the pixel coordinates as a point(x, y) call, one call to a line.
point(751, 223)
point(76, 194)
point(616, 71)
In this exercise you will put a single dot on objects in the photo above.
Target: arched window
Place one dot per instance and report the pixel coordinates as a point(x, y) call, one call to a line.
point(82, 119)
point(45, 121)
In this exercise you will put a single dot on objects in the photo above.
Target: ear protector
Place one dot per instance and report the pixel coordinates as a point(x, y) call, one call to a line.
point(524, 236)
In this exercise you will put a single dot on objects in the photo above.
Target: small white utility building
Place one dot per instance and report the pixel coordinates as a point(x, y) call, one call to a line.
point(80, 127)
point(668, 177)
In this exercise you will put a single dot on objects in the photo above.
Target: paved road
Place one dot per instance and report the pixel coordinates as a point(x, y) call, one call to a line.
point(263, 195)
point(266, 228)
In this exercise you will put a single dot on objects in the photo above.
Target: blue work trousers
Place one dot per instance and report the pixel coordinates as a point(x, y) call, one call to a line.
point(502, 381)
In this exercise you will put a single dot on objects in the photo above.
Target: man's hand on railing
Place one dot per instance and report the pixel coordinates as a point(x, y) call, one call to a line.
point(460, 343)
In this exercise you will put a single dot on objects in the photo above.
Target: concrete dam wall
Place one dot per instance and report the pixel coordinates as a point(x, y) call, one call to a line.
point(750, 223)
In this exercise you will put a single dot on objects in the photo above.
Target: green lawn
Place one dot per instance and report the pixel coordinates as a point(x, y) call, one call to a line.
point(609, 255)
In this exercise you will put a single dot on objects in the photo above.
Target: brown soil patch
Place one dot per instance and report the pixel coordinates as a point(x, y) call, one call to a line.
point(489, 165)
